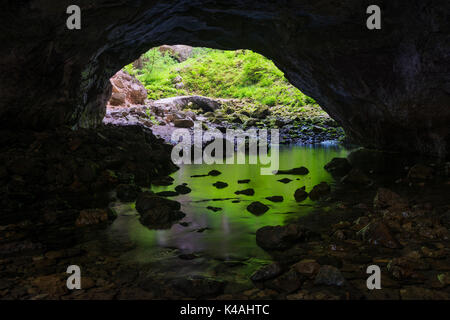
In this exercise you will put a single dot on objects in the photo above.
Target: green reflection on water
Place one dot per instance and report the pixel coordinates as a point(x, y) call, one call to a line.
point(230, 233)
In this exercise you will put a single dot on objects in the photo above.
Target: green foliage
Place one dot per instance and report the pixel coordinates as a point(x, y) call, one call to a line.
point(222, 74)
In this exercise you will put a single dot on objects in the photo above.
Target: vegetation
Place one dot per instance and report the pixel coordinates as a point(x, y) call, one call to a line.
point(241, 74)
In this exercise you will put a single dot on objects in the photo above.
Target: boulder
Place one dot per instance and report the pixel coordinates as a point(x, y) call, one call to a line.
point(338, 166)
point(300, 194)
point(257, 208)
point(267, 272)
point(279, 237)
point(127, 192)
point(330, 276)
point(319, 191)
point(183, 123)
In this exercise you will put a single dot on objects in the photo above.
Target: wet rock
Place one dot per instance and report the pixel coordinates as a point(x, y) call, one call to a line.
point(183, 123)
point(420, 172)
point(386, 198)
point(188, 256)
point(356, 177)
point(127, 192)
point(214, 173)
point(183, 189)
point(215, 209)
point(338, 166)
point(243, 181)
point(285, 180)
point(91, 217)
point(157, 212)
point(279, 237)
point(267, 272)
point(247, 192)
point(378, 233)
point(275, 198)
point(257, 208)
point(300, 194)
point(167, 193)
point(330, 276)
point(286, 283)
point(319, 191)
point(295, 171)
point(307, 267)
point(163, 181)
point(220, 184)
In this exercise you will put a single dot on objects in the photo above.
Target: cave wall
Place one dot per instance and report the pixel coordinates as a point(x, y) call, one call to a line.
point(388, 88)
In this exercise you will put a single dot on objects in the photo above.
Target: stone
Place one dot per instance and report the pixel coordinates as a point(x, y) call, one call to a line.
point(300, 194)
point(338, 166)
point(182, 189)
point(307, 267)
point(275, 198)
point(356, 177)
point(295, 171)
point(247, 192)
point(167, 193)
point(285, 180)
point(214, 173)
point(183, 123)
point(215, 209)
point(385, 199)
point(267, 272)
point(243, 181)
point(420, 172)
point(117, 99)
point(127, 192)
point(257, 208)
point(378, 233)
point(286, 283)
point(319, 191)
point(330, 276)
point(220, 184)
point(91, 217)
point(279, 237)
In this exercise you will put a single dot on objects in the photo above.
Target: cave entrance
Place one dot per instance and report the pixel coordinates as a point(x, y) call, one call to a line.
point(174, 86)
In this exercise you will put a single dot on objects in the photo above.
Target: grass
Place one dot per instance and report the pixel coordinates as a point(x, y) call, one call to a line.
point(241, 74)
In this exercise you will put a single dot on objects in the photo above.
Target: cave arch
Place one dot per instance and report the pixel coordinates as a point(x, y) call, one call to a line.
point(388, 88)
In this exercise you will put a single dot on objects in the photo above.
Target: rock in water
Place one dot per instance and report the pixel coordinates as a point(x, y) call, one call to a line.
point(285, 180)
point(157, 212)
point(220, 185)
point(244, 181)
point(338, 166)
point(127, 192)
point(247, 192)
point(183, 123)
point(330, 276)
point(387, 199)
point(257, 208)
point(183, 189)
point(279, 237)
point(266, 272)
point(320, 190)
point(300, 194)
point(167, 194)
point(275, 198)
point(295, 171)
point(214, 173)
point(356, 177)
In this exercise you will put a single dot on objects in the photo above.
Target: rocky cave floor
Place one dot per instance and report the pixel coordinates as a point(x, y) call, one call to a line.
point(57, 186)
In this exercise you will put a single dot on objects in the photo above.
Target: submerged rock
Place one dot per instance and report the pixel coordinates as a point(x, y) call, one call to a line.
point(295, 171)
point(243, 181)
point(300, 194)
point(214, 173)
point(127, 192)
point(215, 209)
point(183, 189)
point(220, 184)
point(386, 198)
point(279, 237)
point(285, 180)
point(338, 166)
point(267, 272)
point(247, 192)
point(257, 208)
point(356, 177)
point(158, 212)
point(275, 198)
point(319, 191)
point(167, 194)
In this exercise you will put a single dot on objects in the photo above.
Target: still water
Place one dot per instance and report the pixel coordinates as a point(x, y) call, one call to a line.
point(228, 234)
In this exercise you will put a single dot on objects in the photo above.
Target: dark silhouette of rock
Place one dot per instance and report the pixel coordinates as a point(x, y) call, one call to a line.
point(279, 237)
point(247, 192)
point(338, 166)
point(127, 192)
point(295, 171)
point(257, 208)
point(183, 189)
point(275, 198)
point(285, 180)
point(319, 191)
point(300, 194)
point(220, 184)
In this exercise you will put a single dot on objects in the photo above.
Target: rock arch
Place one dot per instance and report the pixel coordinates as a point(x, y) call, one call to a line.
point(389, 88)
